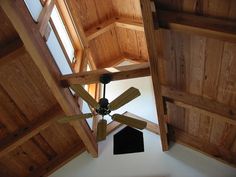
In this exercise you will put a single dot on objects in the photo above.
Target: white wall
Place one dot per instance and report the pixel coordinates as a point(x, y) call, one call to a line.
point(179, 161)
point(143, 106)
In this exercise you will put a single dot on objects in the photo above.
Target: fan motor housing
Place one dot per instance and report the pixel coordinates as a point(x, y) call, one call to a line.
point(103, 109)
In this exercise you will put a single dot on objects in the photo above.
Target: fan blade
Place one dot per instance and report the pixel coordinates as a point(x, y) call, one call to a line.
point(132, 122)
point(102, 130)
point(85, 95)
point(124, 98)
point(75, 117)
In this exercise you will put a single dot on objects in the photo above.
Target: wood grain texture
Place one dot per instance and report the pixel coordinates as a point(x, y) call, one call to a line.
point(34, 44)
point(151, 38)
point(116, 73)
point(25, 133)
point(199, 25)
point(105, 48)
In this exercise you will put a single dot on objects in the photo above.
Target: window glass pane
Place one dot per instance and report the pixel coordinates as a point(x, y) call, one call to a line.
point(56, 18)
point(34, 7)
point(57, 53)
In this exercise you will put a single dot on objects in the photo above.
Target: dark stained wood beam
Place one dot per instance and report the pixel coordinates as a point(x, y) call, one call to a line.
point(16, 139)
point(34, 43)
point(58, 161)
point(151, 38)
point(223, 29)
point(10, 51)
point(217, 152)
point(117, 73)
point(200, 102)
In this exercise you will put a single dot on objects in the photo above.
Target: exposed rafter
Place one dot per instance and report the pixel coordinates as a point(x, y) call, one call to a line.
point(207, 113)
point(117, 73)
point(151, 39)
point(199, 102)
point(36, 46)
point(222, 29)
point(58, 161)
point(111, 23)
point(25, 133)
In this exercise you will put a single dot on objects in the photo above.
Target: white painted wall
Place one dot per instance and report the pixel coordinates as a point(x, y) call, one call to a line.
point(179, 161)
point(143, 106)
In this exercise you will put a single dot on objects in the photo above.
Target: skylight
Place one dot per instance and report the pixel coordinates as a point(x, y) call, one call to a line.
point(60, 27)
point(34, 7)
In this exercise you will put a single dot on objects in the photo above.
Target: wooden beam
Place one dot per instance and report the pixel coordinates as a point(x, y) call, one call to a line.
point(129, 24)
point(223, 29)
point(41, 56)
point(151, 38)
point(200, 102)
point(10, 51)
point(107, 25)
point(100, 29)
point(25, 133)
point(59, 161)
point(207, 113)
point(44, 17)
point(117, 73)
point(217, 152)
point(112, 126)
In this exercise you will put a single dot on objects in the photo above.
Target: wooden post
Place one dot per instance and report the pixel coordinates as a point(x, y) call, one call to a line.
point(151, 39)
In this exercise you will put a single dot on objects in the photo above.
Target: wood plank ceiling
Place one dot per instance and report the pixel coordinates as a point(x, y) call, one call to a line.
point(196, 75)
point(202, 66)
point(26, 106)
point(113, 42)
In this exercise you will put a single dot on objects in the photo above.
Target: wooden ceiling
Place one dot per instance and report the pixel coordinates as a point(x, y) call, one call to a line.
point(193, 73)
point(196, 72)
point(111, 43)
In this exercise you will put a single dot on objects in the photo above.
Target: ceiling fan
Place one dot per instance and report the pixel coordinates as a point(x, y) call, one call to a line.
point(103, 108)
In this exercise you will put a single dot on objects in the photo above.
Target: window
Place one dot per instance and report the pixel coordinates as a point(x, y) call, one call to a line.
point(62, 33)
point(58, 41)
point(34, 7)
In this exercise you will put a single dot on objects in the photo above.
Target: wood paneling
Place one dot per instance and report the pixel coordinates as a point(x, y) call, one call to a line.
point(214, 8)
point(19, 79)
point(132, 43)
point(128, 8)
point(105, 48)
point(91, 12)
point(202, 67)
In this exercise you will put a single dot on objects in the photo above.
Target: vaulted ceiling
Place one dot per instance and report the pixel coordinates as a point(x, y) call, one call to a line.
point(192, 55)
point(109, 40)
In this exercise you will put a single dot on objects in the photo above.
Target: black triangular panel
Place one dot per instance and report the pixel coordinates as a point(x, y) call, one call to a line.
point(128, 140)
